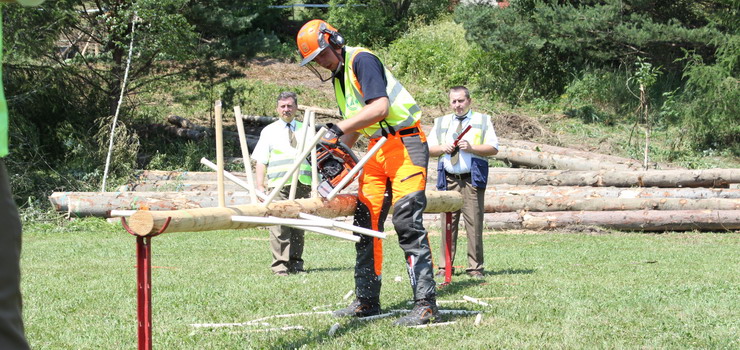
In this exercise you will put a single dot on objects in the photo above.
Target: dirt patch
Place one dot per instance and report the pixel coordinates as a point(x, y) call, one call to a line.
point(519, 127)
point(287, 74)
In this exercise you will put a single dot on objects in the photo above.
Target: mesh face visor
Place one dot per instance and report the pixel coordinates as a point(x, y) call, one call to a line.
point(322, 73)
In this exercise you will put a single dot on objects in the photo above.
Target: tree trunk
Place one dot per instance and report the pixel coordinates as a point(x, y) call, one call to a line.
point(641, 220)
point(146, 222)
point(648, 178)
point(597, 157)
point(494, 191)
point(545, 160)
point(77, 204)
point(498, 204)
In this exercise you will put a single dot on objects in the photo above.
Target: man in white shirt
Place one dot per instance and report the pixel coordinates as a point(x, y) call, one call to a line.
point(464, 168)
point(276, 151)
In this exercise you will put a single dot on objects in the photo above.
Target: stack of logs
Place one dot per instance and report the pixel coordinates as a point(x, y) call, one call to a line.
point(595, 190)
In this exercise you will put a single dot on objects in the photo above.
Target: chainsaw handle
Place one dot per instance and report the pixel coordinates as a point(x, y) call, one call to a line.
point(459, 137)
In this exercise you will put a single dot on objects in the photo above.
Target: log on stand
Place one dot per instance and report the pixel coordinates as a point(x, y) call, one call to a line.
point(143, 223)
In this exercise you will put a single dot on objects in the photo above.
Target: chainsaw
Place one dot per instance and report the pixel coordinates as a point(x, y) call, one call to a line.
point(334, 162)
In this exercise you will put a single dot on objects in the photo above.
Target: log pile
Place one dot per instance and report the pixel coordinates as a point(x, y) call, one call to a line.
point(595, 189)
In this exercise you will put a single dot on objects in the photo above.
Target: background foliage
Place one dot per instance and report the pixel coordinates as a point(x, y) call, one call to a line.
point(575, 59)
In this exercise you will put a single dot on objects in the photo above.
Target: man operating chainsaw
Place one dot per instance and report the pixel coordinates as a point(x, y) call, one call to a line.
point(274, 154)
point(373, 103)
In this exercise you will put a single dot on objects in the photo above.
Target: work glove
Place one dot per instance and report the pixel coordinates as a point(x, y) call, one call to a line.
point(331, 137)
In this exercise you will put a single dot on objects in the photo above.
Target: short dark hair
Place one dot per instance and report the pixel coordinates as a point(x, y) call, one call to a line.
point(286, 95)
point(460, 88)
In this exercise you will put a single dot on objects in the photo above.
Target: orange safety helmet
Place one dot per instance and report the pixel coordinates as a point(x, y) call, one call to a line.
point(314, 37)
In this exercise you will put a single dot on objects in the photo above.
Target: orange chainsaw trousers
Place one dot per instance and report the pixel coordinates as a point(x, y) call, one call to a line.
point(395, 177)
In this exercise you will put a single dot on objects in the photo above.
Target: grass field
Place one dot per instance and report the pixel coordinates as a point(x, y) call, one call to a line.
point(545, 290)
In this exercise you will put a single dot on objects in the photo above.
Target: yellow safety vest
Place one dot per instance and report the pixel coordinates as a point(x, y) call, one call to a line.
point(281, 160)
point(403, 110)
point(3, 104)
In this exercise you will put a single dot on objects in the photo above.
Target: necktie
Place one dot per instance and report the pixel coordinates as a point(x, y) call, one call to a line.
point(455, 156)
point(291, 136)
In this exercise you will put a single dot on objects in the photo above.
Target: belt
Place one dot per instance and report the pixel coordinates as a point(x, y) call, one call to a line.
point(403, 132)
point(464, 176)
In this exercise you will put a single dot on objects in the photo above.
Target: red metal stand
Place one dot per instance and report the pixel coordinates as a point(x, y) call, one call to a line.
point(448, 248)
point(144, 284)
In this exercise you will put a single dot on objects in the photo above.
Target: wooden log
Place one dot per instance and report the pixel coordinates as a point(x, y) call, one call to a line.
point(597, 157)
point(544, 160)
point(649, 178)
point(208, 219)
point(498, 204)
point(322, 111)
point(100, 204)
point(610, 192)
point(642, 220)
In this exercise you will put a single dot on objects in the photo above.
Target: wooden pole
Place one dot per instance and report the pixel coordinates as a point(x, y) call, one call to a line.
point(314, 168)
point(245, 153)
point(252, 190)
point(631, 220)
point(356, 168)
point(208, 219)
point(301, 146)
point(498, 204)
point(295, 167)
point(220, 155)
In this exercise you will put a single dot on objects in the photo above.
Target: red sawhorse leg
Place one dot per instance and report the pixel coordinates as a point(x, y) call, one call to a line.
point(448, 249)
point(144, 284)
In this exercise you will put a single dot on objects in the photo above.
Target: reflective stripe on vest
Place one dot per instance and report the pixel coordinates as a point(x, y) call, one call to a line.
point(281, 160)
point(403, 111)
point(3, 105)
point(478, 121)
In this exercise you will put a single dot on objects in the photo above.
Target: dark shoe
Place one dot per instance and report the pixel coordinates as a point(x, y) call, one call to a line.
point(475, 274)
point(424, 311)
point(281, 273)
point(359, 308)
point(300, 271)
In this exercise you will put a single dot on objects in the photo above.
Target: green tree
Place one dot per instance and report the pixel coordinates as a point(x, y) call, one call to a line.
point(554, 39)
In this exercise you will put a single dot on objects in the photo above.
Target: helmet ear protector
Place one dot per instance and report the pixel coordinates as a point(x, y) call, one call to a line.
point(335, 39)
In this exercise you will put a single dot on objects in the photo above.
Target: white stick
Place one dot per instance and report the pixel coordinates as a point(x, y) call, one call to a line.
point(478, 319)
point(433, 324)
point(271, 220)
point(349, 294)
point(475, 301)
point(346, 226)
point(234, 179)
point(286, 328)
point(220, 156)
point(126, 213)
point(314, 168)
point(328, 232)
point(301, 147)
point(245, 153)
point(333, 329)
point(295, 167)
point(356, 169)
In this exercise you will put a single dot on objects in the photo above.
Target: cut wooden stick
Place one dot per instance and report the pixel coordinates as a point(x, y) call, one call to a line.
point(475, 301)
point(356, 168)
point(220, 155)
point(295, 167)
point(245, 154)
point(271, 220)
point(236, 180)
point(328, 232)
point(346, 226)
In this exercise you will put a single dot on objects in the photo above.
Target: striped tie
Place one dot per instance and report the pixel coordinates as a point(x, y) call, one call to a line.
point(291, 135)
point(455, 156)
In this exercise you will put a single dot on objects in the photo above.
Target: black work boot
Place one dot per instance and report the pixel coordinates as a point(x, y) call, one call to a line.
point(359, 308)
point(424, 311)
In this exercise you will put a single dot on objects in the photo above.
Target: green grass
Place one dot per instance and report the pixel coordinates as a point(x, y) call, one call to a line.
point(668, 291)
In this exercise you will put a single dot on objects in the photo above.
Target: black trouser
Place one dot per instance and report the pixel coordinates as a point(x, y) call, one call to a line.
point(11, 323)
